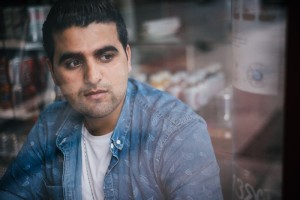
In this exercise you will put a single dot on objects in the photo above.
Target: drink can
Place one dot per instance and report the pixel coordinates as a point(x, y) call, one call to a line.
point(33, 24)
point(8, 22)
point(5, 86)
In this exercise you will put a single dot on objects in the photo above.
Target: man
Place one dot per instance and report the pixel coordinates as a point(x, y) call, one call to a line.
point(113, 137)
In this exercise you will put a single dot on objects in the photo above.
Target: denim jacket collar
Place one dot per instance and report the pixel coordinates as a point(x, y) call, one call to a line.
point(123, 125)
point(71, 123)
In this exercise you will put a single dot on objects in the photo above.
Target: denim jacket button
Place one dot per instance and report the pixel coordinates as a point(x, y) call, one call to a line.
point(118, 141)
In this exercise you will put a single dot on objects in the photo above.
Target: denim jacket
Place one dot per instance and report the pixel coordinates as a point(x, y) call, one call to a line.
point(160, 150)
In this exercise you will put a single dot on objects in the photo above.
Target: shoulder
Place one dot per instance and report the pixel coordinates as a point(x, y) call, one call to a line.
point(57, 114)
point(56, 106)
point(162, 106)
point(56, 110)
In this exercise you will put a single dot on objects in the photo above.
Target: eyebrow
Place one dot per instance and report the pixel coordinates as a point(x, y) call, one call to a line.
point(79, 55)
point(101, 51)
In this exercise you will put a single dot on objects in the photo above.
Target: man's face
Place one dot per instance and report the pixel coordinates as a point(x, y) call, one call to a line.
point(91, 68)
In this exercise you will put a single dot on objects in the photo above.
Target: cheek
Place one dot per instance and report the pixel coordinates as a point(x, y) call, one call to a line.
point(68, 85)
point(64, 82)
point(120, 78)
point(117, 75)
point(66, 78)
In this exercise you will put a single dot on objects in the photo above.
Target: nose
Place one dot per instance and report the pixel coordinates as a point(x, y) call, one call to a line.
point(92, 74)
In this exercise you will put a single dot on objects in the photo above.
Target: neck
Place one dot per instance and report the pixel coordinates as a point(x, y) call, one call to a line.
point(98, 127)
point(103, 125)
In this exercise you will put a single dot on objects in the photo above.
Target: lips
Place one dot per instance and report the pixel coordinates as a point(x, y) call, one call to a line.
point(95, 94)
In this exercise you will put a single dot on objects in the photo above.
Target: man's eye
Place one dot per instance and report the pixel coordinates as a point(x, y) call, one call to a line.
point(107, 57)
point(71, 64)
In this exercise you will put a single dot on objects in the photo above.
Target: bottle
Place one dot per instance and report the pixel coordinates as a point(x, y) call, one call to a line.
point(258, 65)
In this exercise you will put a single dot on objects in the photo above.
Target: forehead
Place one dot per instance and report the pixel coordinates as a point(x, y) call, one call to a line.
point(85, 38)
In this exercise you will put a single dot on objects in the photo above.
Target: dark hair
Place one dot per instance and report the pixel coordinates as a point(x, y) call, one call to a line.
point(67, 13)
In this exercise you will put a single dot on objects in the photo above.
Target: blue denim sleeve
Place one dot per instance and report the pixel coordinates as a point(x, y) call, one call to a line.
point(188, 166)
point(24, 177)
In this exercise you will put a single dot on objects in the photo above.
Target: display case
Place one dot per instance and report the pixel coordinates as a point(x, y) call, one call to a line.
point(25, 86)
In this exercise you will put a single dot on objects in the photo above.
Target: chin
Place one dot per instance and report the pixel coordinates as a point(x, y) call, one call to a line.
point(96, 112)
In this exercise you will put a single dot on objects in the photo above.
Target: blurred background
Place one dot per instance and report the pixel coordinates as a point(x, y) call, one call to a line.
point(227, 59)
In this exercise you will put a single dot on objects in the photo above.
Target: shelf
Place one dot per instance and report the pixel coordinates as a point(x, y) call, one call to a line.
point(19, 113)
point(23, 111)
point(18, 44)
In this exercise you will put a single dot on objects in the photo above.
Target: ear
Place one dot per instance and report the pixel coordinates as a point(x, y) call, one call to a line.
point(128, 53)
point(51, 69)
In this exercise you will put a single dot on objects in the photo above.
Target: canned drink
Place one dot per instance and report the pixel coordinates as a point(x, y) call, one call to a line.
point(23, 77)
point(43, 12)
point(25, 86)
point(18, 22)
point(33, 33)
point(14, 72)
point(27, 77)
point(5, 86)
point(8, 22)
point(37, 16)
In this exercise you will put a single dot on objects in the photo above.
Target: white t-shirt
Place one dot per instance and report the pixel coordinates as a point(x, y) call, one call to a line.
point(95, 151)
